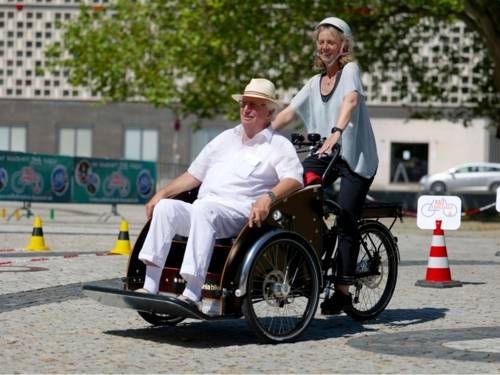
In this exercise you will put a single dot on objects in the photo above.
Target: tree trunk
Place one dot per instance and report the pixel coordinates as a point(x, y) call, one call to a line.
point(480, 15)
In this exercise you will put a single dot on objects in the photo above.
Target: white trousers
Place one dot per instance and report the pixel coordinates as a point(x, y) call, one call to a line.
point(202, 222)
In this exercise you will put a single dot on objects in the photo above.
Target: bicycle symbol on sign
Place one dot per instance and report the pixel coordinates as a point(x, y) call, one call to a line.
point(437, 205)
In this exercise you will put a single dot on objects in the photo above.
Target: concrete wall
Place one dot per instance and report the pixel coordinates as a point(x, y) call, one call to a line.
point(108, 122)
point(449, 143)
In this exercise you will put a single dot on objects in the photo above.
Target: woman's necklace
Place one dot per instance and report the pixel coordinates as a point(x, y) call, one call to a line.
point(327, 83)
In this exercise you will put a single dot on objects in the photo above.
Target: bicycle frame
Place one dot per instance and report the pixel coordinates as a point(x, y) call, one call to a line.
point(328, 254)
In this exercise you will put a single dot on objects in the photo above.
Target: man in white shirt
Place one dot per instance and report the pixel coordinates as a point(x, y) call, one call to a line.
point(240, 174)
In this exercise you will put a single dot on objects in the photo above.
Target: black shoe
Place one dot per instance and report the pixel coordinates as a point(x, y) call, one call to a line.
point(336, 304)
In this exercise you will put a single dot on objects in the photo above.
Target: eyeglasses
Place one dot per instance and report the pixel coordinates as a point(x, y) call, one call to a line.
point(252, 105)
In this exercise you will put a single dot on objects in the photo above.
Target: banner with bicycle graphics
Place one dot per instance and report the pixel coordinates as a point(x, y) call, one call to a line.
point(113, 181)
point(33, 177)
point(50, 178)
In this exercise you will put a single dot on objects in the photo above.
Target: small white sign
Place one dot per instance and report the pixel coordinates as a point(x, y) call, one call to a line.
point(446, 208)
point(498, 200)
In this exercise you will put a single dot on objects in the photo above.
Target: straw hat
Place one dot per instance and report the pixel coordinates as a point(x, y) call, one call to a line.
point(259, 88)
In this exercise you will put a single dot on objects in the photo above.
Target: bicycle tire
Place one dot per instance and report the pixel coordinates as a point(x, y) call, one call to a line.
point(273, 314)
point(376, 275)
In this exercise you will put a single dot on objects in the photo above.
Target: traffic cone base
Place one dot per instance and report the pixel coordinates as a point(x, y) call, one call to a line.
point(438, 284)
point(122, 245)
point(438, 273)
point(37, 243)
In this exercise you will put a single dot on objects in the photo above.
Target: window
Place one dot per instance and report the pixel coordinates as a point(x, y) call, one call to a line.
point(201, 137)
point(75, 142)
point(408, 162)
point(13, 138)
point(141, 144)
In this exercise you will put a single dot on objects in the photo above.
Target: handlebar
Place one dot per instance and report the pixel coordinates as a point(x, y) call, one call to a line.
point(312, 145)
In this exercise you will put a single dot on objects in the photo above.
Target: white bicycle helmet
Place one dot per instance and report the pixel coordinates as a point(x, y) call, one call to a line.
point(337, 23)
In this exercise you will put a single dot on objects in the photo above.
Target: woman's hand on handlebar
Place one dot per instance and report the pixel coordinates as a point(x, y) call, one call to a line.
point(328, 144)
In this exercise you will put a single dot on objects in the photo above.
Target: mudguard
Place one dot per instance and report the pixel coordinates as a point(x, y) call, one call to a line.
point(259, 245)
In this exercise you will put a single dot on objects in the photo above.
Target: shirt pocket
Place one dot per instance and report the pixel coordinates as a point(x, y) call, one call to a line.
point(247, 165)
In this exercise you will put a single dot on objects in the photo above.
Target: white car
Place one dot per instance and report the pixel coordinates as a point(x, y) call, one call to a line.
point(471, 177)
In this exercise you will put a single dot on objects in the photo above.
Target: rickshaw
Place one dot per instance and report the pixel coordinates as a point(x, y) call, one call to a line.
point(272, 275)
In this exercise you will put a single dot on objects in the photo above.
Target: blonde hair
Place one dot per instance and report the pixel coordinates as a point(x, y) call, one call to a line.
point(348, 47)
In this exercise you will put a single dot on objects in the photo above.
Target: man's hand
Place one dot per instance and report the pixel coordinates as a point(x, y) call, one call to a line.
point(152, 203)
point(260, 210)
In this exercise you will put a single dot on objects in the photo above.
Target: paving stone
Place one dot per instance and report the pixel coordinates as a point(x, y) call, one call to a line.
point(48, 326)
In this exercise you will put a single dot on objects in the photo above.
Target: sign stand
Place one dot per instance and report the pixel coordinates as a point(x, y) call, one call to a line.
point(438, 213)
point(114, 212)
point(25, 207)
point(438, 273)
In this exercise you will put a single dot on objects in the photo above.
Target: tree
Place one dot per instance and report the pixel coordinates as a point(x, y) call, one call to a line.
point(190, 56)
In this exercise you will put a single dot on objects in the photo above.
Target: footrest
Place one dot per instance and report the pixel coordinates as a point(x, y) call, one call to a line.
point(151, 303)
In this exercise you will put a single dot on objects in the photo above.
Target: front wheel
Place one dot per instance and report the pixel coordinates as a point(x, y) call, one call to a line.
point(282, 290)
point(376, 271)
point(494, 187)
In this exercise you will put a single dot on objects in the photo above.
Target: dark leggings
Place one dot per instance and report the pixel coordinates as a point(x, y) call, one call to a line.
point(351, 198)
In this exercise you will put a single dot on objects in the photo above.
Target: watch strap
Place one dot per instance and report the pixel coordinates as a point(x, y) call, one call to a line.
point(271, 195)
point(335, 129)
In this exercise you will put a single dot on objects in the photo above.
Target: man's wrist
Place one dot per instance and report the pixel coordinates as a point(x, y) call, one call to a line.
point(271, 195)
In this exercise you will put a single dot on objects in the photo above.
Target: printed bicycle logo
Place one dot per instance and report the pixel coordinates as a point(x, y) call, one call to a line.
point(27, 177)
point(116, 182)
point(439, 205)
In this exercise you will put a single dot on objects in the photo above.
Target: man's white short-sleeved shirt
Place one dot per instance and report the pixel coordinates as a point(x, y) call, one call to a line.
point(359, 149)
point(239, 170)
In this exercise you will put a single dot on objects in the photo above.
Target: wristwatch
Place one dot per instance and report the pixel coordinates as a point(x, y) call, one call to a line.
point(335, 129)
point(271, 195)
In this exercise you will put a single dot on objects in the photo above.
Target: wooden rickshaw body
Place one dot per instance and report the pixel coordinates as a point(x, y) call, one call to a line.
point(296, 224)
point(300, 218)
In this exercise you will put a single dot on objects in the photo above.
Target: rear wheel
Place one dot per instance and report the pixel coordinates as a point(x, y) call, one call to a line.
point(438, 188)
point(160, 319)
point(282, 290)
point(376, 271)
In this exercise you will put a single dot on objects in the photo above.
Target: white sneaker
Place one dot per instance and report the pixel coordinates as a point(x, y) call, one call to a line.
point(211, 307)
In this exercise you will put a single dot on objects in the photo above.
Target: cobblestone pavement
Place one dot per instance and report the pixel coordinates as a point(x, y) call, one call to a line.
point(48, 326)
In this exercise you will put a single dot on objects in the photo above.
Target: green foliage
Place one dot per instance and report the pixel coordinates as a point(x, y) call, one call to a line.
point(190, 56)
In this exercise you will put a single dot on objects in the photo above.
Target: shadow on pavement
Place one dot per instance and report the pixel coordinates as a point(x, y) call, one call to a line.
point(463, 344)
point(222, 333)
point(408, 317)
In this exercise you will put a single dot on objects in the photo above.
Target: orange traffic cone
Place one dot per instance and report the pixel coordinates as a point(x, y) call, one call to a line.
point(438, 271)
point(37, 242)
point(122, 245)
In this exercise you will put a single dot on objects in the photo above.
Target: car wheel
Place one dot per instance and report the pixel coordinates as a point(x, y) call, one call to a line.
point(494, 186)
point(438, 188)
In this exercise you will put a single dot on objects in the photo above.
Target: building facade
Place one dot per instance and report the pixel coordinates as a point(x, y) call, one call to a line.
point(41, 112)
